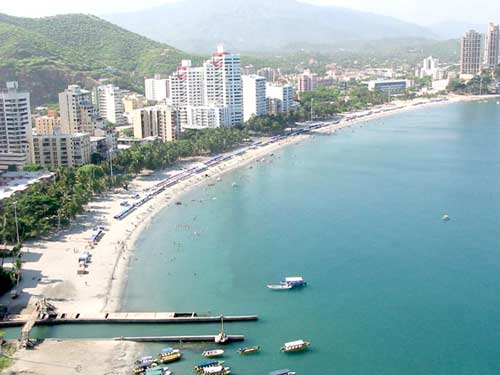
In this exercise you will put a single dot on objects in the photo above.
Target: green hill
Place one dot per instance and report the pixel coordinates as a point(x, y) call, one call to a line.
point(46, 54)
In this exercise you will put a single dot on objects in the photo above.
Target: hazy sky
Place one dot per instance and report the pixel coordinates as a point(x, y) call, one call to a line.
point(420, 11)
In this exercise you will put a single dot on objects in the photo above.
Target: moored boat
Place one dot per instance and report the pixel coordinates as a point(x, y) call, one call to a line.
point(205, 364)
point(295, 346)
point(295, 281)
point(158, 371)
point(282, 286)
point(143, 367)
point(216, 370)
point(221, 338)
point(212, 353)
point(144, 359)
point(282, 372)
point(249, 349)
point(168, 355)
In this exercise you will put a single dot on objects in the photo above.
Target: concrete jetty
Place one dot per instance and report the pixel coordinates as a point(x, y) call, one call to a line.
point(203, 338)
point(120, 318)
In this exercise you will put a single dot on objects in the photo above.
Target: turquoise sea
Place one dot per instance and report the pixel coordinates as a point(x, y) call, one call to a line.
point(392, 289)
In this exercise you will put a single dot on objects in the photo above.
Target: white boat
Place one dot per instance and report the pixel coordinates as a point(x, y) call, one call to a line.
point(280, 286)
point(445, 218)
point(217, 370)
point(295, 346)
point(212, 353)
point(221, 338)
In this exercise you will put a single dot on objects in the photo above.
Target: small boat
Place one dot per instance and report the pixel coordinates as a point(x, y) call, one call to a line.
point(143, 367)
point(295, 281)
point(205, 364)
point(168, 355)
point(282, 286)
point(249, 349)
point(144, 359)
point(213, 353)
point(217, 370)
point(445, 218)
point(282, 372)
point(295, 346)
point(289, 283)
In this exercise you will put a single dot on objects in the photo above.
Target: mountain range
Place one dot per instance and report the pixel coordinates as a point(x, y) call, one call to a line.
point(47, 54)
point(261, 25)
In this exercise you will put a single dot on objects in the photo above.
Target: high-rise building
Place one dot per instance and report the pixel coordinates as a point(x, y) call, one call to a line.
point(15, 127)
point(160, 121)
point(223, 84)
point(156, 88)
point(254, 96)
point(208, 96)
point(283, 93)
point(492, 50)
point(307, 82)
point(108, 101)
point(471, 56)
point(78, 114)
point(61, 150)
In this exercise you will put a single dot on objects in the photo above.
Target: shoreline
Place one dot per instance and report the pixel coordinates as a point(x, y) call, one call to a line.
point(50, 268)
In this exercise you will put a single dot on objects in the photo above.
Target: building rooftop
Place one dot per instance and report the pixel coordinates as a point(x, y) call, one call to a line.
point(15, 182)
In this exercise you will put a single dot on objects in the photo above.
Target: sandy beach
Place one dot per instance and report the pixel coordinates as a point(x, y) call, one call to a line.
point(51, 264)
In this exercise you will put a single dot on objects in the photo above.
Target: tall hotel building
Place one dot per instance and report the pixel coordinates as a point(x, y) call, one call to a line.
point(208, 96)
point(15, 127)
point(254, 96)
point(471, 56)
point(108, 101)
point(78, 114)
point(492, 50)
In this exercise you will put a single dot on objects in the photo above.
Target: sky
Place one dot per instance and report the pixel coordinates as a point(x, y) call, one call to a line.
point(424, 12)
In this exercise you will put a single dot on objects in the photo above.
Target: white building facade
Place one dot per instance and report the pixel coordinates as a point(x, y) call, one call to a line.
point(156, 88)
point(15, 128)
point(492, 50)
point(254, 96)
point(283, 93)
point(108, 100)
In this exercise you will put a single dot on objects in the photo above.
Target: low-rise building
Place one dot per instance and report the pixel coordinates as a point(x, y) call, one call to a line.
point(390, 86)
point(61, 150)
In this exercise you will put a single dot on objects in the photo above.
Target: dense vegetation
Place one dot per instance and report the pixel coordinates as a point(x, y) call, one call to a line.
point(480, 84)
point(50, 205)
point(46, 54)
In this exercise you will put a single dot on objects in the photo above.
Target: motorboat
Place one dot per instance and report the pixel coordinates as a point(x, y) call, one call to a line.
point(213, 353)
point(249, 349)
point(295, 346)
point(168, 355)
point(282, 286)
point(282, 372)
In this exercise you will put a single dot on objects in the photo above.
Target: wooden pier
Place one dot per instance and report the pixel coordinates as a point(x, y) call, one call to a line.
point(205, 338)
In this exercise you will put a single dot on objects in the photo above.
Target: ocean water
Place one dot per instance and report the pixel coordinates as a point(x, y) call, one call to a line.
point(392, 289)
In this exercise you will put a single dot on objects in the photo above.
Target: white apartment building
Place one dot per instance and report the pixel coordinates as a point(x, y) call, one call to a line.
point(203, 117)
point(61, 150)
point(471, 53)
point(78, 114)
point(223, 84)
point(156, 88)
point(492, 50)
point(108, 101)
point(15, 127)
point(254, 96)
point(283, 93)
point(208, 96)
point(161, 121)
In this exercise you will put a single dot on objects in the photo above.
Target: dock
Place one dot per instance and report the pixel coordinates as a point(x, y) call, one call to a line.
point(119, 318)
point(203, 338)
